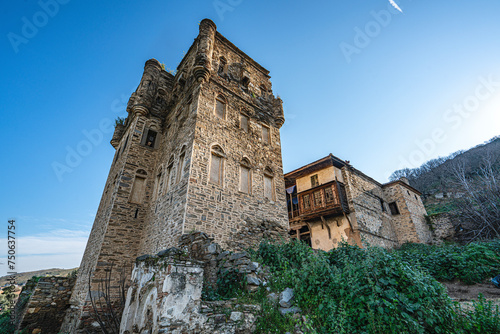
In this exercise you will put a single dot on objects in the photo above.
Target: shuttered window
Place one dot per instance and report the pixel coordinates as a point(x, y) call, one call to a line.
point(306, 202)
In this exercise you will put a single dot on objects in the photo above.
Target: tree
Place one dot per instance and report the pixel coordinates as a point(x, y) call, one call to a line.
point(107, 305)
point(478, 210)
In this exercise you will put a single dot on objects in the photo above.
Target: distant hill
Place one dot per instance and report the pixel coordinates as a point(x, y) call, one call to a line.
point(435, 178)
point(21, 278)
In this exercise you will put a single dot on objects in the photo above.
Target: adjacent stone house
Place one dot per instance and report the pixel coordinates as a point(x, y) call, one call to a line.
point(330, 201)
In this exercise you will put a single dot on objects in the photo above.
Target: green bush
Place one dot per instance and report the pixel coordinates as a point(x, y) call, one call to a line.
point(484, 318)
point(6, 326)
point(372, 290)
point(472, 263)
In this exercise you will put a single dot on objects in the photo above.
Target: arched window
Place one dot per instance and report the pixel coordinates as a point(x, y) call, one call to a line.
point(181, 164)
point(216, 165)
point(139, 187)
point(220, 106)
point(245, 176)
point(244, 120)
point(269, 184)
point(222, 66)
point(168, 173)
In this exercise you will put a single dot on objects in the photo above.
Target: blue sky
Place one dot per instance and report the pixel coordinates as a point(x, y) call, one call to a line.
point(382, 89)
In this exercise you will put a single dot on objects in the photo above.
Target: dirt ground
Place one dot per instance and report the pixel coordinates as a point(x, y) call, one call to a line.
point(462, 292)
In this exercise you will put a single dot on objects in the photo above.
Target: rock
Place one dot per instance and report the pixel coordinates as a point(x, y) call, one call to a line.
point(286, 298)
point(212, 248)
point(169, 251)
point(272, 297)
point(288, 310)
point(252, 280)
point(252, 288)
point(222, 255)
point(253, 266)
point(143, 257)
point(236, 316)
point(236, 256)
point(36, 331)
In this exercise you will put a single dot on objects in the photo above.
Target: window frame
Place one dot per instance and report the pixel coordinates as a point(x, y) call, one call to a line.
point(245, 164)
point(393, 207)
point(268, 174)
point(314, 180)
point(245, 116)
point(220, 98)
point(217, 151)
point(145, 136)
point(268, 141)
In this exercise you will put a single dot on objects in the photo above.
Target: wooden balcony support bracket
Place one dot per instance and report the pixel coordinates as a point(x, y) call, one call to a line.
point(324, 223)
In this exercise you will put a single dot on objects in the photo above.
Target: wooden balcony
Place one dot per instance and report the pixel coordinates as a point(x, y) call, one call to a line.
point(324, 200)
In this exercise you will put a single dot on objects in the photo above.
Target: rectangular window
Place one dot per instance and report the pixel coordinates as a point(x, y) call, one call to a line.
point(318, 201)
point(220, 109)
point(244, 122)
point(314, 181)
point(329, 195)
point(306, 202)
point(138, 190)
point(180, 168)
point(245, 179)
point(268, 187)
point(216, 169)
point(150, 139)
point(266, 134)
point(394, 208)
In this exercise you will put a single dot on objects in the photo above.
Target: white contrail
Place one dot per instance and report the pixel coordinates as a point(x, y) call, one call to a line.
point(395, 5)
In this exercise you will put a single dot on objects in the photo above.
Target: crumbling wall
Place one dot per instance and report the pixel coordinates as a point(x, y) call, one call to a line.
point(165, 296)
point(442, 227)
point(46, 307)
point(202, 248)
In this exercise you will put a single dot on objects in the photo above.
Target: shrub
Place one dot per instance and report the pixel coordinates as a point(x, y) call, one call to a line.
point(471, 263)
point(372, 290)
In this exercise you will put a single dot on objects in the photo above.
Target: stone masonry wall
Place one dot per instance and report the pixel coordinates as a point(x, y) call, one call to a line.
point(374, 224)
point(221, 209)
point(46, 307)
point(410, 224)
point(165, 215)
point(442, 227)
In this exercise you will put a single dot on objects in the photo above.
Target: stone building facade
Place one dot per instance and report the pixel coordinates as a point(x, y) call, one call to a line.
point(330, 201)
point(200, 150)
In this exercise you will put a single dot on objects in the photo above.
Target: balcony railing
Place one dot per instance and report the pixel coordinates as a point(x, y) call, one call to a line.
point(327, 199)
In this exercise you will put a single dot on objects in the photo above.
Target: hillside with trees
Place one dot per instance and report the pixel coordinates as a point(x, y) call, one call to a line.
point(466, 186)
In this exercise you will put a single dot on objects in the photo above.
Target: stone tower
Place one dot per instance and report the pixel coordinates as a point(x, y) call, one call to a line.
point(199, 150)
